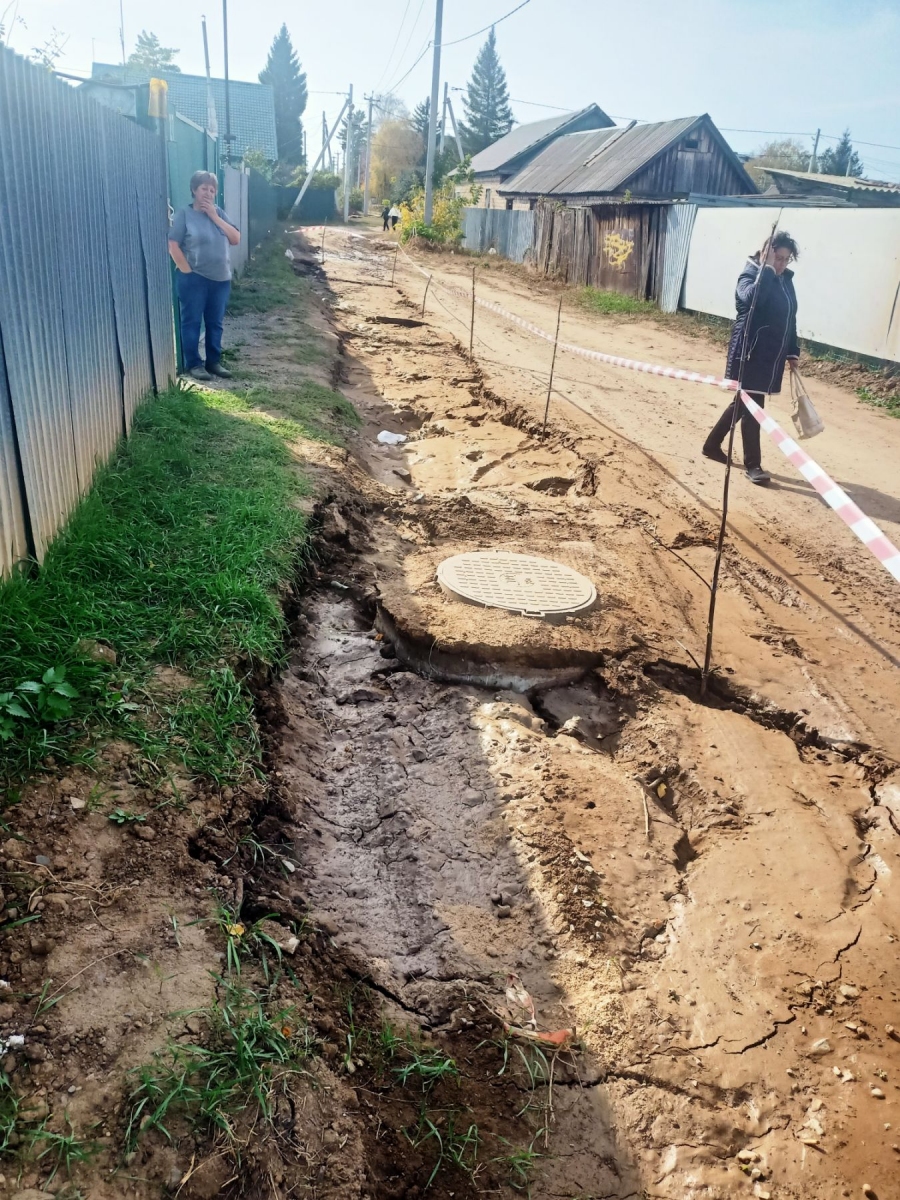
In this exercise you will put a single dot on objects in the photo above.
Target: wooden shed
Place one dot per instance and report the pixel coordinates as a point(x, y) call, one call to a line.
point(666, 160)
point(602, 198)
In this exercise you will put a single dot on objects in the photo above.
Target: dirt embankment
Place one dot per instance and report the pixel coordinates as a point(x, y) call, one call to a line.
point(483, 830)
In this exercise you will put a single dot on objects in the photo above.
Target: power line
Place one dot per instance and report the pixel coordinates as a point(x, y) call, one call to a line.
point(408, 40)
point(394, 47)
point(831, 137)
point(427, 47)
point(487, 27)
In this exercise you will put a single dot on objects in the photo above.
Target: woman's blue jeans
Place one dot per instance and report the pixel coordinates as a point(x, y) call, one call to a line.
point(205, 300)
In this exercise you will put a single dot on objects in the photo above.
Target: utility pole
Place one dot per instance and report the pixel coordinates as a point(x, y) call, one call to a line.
point(227, 95)
point(456, 137)
point(444, 115)
point(212, 126)
point(432, 114)
point(326, 147)
point(122, 29)
point(347, 155)
point(371, 100)
point(814, 161)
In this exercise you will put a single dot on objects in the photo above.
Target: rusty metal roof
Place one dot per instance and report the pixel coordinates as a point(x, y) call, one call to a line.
point(530, 137)
point(598, 162)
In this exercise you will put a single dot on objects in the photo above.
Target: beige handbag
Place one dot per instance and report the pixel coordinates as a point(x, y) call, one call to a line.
point(806, 420)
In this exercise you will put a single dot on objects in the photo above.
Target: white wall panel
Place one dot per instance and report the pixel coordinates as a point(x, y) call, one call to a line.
point(847, 278)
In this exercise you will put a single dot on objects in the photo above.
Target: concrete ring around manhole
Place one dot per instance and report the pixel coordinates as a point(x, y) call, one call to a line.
point(518, 583)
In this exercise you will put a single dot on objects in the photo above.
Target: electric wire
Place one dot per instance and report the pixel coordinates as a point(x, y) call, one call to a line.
point(468, 36)
point(393, 48)
point(412, 31)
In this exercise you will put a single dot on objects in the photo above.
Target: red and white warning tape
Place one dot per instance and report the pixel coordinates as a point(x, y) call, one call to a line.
point(834, 496)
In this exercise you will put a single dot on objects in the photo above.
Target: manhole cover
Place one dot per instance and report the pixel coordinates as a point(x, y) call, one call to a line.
point(520, 583)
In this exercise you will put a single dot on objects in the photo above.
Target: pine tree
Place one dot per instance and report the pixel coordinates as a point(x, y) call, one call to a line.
point(419, 121)
point(486, 102)
point(150, 58)
point(837, 158)
point(283, 72)
point(420, 117)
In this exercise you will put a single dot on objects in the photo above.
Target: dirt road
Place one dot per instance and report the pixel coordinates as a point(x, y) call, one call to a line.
point(703, 893)
point(847, 605)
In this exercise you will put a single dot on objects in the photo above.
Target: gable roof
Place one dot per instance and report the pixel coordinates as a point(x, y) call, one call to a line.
point(603, 161)
point(252, 104)
point(528, 138)
point(812, 179)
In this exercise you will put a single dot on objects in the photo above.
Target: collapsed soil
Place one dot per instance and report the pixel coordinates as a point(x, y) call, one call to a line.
point(479, 811)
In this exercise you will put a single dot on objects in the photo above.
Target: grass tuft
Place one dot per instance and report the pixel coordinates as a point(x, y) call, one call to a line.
point(889, 403)
point(247, 1062)
point(612, 303)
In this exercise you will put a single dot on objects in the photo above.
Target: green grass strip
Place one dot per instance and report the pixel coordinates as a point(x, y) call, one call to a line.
point(176, 556)
point(601, 301)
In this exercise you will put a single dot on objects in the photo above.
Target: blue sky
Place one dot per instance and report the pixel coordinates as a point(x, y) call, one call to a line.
point(791, 65)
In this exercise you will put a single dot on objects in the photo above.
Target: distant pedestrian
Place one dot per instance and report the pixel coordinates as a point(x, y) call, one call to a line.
point(771, 342)
point(395, 216)
point(385, 217)
point(199, 243)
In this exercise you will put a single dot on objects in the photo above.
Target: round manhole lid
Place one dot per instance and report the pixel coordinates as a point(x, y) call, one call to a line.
point(520, 583)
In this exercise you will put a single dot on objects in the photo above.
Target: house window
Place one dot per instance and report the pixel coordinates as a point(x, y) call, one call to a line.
point(509, 205)
point(692, 143)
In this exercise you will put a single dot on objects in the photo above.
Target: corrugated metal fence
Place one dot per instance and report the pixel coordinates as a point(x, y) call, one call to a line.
point(508, 231)
point(86, 327)
point(679, 227)
point(263, 204)
point(236, 202)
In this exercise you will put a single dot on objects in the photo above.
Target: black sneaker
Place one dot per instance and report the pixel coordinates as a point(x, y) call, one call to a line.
point(758, 475)
point(199, 373)
point(218, 370)
point(716, 453)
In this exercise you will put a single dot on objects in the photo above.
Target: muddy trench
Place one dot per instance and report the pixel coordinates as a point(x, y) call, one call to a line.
point(652, 935)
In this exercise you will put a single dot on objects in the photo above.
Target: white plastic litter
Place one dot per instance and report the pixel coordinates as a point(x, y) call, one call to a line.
point(392, 439)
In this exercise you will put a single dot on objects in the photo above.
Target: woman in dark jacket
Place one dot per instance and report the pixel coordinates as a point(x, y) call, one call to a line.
point(771, 342)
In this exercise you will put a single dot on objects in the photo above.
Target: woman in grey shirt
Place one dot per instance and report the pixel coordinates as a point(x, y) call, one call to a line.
point(199, 243)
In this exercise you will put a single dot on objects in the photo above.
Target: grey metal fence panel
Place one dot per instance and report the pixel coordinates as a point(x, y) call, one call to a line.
point(679, 227)
point(151, 182)
point(234, 200)
point(508, 231)
point(33, 203)
point(13, 537)
point(86, 324)
point(126, 261)
point(89, 322)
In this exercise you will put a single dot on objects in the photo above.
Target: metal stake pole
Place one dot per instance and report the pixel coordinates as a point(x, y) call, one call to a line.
point(324, 227)
point(425, 297)
point(552, 366)
point(714, 588)
point(394, 268)
point(472, 321)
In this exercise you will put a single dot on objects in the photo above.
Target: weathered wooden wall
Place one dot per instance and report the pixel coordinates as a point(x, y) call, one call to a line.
point(618, 247)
